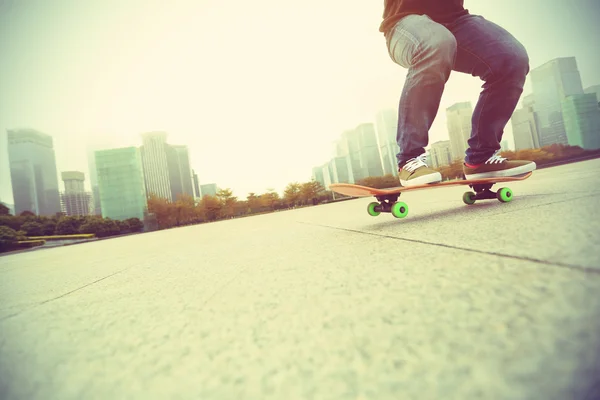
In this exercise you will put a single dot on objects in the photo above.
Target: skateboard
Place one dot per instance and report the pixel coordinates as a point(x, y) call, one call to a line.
point(388, 198)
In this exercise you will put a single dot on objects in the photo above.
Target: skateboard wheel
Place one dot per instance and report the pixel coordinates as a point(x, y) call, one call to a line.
point(469, 198)
point(372, 209)
point(399, 210)
point(504, 195)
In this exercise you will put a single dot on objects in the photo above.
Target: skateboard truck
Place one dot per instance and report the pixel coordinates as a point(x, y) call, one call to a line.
point(388, 203)
point(483, 192)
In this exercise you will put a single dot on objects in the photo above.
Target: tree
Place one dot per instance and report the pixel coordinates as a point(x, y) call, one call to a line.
point(49, 227)
point(163, 210)
point(4, 210)
point(8, 237)
point(270, 199)
point(135, 225)
point(291, 193)
point(227, 200)
point(111, 227)
point(68, 226)
point(210, 207)
point(10, 221)
point(311, 190)
point(93, 225)
point(253, 202)
point(27, 214)
point(184, 209)
point(33, 228)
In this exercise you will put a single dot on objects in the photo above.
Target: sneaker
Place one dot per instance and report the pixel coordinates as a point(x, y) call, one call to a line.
point(498, 167)
point(416, 172)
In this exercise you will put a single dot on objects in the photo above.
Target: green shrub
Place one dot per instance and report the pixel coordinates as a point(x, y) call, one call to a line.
point(33, 228)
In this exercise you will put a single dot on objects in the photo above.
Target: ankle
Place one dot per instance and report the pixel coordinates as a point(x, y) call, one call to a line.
point(472, 165)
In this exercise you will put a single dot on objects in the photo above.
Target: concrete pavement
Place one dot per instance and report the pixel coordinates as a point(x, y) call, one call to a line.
point(490, 301)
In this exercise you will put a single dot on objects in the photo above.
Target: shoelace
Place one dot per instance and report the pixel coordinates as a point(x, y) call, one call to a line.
point(495, 159)
point(415, 163)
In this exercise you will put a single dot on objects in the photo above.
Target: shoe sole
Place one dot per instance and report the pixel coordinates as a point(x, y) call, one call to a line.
point(503, 173)
point(422, 180)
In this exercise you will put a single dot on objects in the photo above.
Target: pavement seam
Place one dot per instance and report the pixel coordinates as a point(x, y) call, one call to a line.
point(39, 303)
point(521, 258)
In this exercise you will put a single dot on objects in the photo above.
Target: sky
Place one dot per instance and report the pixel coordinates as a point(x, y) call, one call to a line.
point(258, 90)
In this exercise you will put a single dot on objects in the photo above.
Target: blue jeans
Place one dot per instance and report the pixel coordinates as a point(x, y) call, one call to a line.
point(471, 45)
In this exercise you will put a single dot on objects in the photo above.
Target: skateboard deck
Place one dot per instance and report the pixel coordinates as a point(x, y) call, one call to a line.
point(388, 198)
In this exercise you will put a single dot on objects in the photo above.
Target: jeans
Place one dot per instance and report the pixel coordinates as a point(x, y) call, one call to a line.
point(472, 45)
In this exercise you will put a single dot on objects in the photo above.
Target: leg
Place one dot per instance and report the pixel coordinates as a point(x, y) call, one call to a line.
point(486, 50)
point(428, 50)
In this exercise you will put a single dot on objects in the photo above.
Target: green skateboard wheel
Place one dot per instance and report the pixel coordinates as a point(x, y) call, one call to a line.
point(469, 198)
point(371, 209)
point(399, 210)
point(504, 195)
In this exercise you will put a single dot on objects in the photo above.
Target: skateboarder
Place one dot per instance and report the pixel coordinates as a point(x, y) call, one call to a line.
point(431, 38)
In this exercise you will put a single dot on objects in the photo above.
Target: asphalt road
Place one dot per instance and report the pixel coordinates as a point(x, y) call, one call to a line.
point(490, 301)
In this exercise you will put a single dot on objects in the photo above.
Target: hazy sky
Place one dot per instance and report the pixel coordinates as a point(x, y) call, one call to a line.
point(258, 90)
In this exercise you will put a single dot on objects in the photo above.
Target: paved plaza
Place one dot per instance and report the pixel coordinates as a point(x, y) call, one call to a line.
point(490, 301)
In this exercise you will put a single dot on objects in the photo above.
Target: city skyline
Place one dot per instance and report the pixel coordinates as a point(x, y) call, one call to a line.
point(244, 128)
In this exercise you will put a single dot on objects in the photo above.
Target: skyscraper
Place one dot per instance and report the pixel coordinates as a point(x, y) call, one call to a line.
point(209, 189)
point(440, 154)
point(317, 175)
point(121, 183)
point(95, 143)
point(180, 177)
point(340, 171)
point(75, 200)
point(593, 89)
point(33, 172)
point(525, 131)
point(582, 120)
point(552, 82)
point(196, 184)
point(362, 151)
point(342, 150)
point(167, 170)
point(459, 117)
point(156, 165)
point(386, 125)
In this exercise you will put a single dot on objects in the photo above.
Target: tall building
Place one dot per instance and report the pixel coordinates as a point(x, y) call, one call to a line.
point(386, 125)
point(180, 177)
point(342, 150)
point(75, 200)
point(528, 100)
point(196, 184)
point(95, 143)
point(582, 120)
point(317, 175)
point(359, 146)
point(595, 90)
point(459, 117)
point(340, 171)
point(33, 172)
point(209, 189)
point(167, 170)
point(440, 154)
point(156, 165)
point(121, 183)
point(552, 82)
point(525, 130)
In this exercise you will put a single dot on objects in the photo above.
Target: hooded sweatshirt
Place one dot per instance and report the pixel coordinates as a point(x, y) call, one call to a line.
point(441, 11)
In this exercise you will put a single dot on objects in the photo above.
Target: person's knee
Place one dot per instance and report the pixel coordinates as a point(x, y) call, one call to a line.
point(513, 63)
